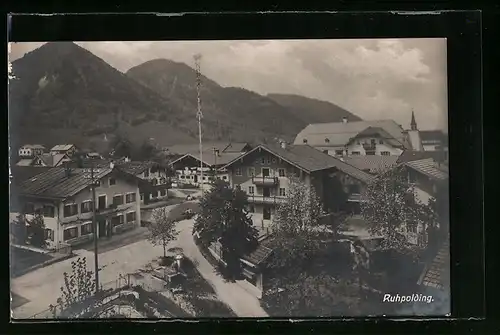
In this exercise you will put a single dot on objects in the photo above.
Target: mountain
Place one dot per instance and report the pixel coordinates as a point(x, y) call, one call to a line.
point(229, 113)
point(312, 110)
point(65, 94)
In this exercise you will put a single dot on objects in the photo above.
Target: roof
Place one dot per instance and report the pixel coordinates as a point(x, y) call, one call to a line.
point(410, 155)
point(33, 146)
point(309, 159)
point(210, 159)
point(135, 168)
point(22, 173)
point(62, 147)
point(380, 132)
point(436, 274)
point(340, 133)
point(25, 162)
point(429, 168)
point(432, 135)
point(183, 149)
point(259, 255)
point(372, 163)
point(52, 160)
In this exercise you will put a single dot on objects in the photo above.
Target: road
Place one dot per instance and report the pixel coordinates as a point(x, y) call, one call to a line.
point(42, 287)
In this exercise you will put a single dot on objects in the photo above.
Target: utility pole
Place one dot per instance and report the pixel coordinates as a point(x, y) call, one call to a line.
point(216, 151)
point(94, 226)
point(199, 114)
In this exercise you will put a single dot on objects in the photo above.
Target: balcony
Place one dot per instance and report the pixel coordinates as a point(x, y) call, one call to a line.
point(111, 209)
point(260, 199)
point(265, 180)
point(369, 146)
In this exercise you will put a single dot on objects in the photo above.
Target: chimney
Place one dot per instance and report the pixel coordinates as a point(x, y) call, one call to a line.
point(283, 144)
point(111, 165)
point(344, 119)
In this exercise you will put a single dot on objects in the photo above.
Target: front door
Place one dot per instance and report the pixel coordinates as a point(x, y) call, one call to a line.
point(102, 228)
point(266, 192)
point(266, 213)
point(265, 172)
point(195, 178)
point(101, 204)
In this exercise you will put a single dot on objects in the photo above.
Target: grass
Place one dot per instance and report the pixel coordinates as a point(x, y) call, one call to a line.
point(21, 260)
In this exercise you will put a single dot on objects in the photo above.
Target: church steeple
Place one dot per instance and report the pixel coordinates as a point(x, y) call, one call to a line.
point(413, 123)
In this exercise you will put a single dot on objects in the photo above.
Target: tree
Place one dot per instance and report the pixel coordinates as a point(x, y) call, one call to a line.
point(389, 204)
point(19, 229)
point(121, 146)
point(162, 230)
point(223, 217)
point(296, 227)
point(76, 293)
point(36, 231)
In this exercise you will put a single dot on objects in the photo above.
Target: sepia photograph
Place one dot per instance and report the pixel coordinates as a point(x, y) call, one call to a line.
point(229, 178)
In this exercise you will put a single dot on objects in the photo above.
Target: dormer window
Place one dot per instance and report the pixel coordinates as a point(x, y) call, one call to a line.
point(327, 140)
point(304, 141)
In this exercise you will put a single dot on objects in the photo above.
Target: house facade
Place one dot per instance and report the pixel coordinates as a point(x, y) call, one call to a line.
point(45, 160)
point(157, 181)
point(64, 198)
point(31, 150)
point(264, 173)
point(68, 149)
point(357, 138)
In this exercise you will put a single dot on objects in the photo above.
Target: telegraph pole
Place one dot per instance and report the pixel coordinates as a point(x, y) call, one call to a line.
point(94, 226)
point(199, 115)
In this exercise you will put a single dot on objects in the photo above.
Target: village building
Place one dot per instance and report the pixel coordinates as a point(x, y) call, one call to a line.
point(31, 150)
point(68, 149)
point(45, 160)
point(383, 138)
point(434, 140)
point(156, 181)
point(64, 197)
point(264, 174)
point(372, 164)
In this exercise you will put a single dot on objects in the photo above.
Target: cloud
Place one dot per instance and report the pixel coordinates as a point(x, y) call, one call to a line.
point(373, 78)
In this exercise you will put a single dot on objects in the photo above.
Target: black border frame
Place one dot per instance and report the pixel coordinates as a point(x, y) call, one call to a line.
point(463, 32)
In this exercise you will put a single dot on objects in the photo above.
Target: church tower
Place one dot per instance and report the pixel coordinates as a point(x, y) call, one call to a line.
point(414, 134)
point(413, 123)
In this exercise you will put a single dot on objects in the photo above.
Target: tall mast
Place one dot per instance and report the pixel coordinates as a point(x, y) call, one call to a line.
point(199, 114)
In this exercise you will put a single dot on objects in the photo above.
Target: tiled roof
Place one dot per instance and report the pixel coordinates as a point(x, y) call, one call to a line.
point(436, 274)
point(183, 149)
point(135, 168)
point(33, 146)
point(22, 173)
point(429, 168)
point(259, 255)
point(372, 163)
point(236, 147)
point(57, 183)
point(210, 159)
point(25, 162)
point(340, 133)
point(62, 147)
point(382, 133)
point(410, 155)
point(310, 159)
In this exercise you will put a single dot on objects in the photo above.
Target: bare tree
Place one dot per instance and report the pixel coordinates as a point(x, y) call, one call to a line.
point(162, 230)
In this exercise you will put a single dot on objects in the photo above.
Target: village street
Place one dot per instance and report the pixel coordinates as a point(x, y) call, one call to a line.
point(42, 287)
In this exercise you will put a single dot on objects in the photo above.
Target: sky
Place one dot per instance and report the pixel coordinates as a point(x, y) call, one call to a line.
point(372, 78)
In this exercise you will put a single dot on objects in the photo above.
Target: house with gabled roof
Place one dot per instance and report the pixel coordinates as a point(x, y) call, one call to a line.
point(63, 196)
point(45, 160)
point(264, 174)
point(382, 137)
point(68, 149)
point(31, 150)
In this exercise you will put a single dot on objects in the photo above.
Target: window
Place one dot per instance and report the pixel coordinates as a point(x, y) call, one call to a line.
point(263, 160)
point(86, 228)
point(224, 177)
point(282, 192)
point(130, 197)
point(370, 153)
point(182, 177)
point(163, 193)
point(86, 206)
point(98, 183)
point(70, 233)
point(274, 160)
point(48, 211)
point(304, 141)
point(381, 142)
point(373, 142)
point(238, 187)
point(70, 210)
point(385, 153)
point(118, 200)
point(154, 181)
point(251, 190)
point(29, 208)
point(154, 195)
point(117, 220)
point(327, 140)
point(49, 234)
point(355, 153)
point(411, 227)
point(251, 171)
point(142, 196)
point(146, 173)
point(238, 171)
point(268, 160)
point(159, 193)
point(354, 189)
point(112, 181)
point(131, 217)
point(339, 152)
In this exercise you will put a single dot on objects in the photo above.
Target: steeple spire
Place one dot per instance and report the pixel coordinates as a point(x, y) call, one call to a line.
point(413, 123)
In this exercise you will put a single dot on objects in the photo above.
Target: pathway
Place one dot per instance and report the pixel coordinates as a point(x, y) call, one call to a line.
point(243, 303)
